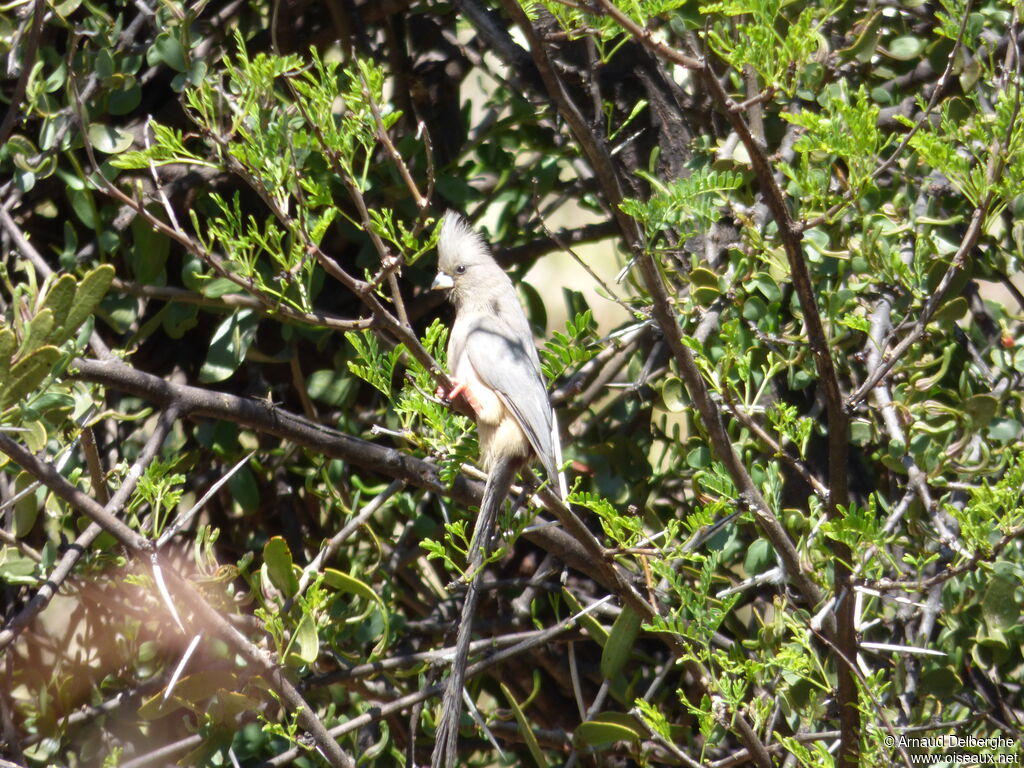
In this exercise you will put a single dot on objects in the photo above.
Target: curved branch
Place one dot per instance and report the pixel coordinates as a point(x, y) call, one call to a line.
point(576, 552)
point(28, 60)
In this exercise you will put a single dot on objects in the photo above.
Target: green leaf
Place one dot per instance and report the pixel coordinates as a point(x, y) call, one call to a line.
point(536, 311)
point(244, 489)
point(760, 557)
point(702, 277)
point(229, 345)
point(8, 343)
point(149, 252)
point(999, 605)
point(674, 396)
point(304, 647)
point(36, 332)
point(109, 139)
point(35, 435)
point(597, 632)
point(16, 568)
point(180, 318)
point(27, 375)
point(525, 729)
point(372, 365)
point(331, 387)
point(905, 48)
point(620, 642)
point(219, 286)
point(167, 49)
point(91, 290)
point(863, 47)
point(606, 728)
point(343, 582)
point(126, 99)
point(280, 568)
point(26, 510)
point(59, 299)
point(980, 410)
point(83, 205)
point(191, 691)
point(952, 310)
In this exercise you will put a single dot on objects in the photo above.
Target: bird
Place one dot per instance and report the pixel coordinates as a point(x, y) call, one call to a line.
point(495, 368)
point(491, 353)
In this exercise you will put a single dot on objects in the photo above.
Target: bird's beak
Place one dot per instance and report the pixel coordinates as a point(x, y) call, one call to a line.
point(442, 282)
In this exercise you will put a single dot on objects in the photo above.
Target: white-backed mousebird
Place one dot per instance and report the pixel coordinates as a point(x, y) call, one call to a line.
point(494, 363)
point(491, 354)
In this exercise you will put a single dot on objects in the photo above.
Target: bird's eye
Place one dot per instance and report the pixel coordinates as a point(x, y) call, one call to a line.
point(460, 270)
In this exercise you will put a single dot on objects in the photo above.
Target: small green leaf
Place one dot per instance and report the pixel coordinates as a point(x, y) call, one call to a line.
point(26, 510)
point(525, 731)
point(90, 292)
point(980, 409)
point(304, 647)
point(620, 642)
point(109, 139)
point(589, 623)
point(674, 396)
point(999, 605)
point(148, 255)
point(331, 387)
point(905, 48)
point(277, 559)
point(83, 205)
point(103, 65)
point(8, 343)
point(760, 557)
point(59, 299)
point(863, 47)
point(191, 691)
point(179, 319)
point(126, 99)
point(535, 309)
point(346, 583)
point(941, 682)
point(167, 49)
point(36, 332)
point(219, 286)
point(952, 310)
point(27, 374)
point(229, 345)
point(606, 728)
point(701, 277)
point(35, 435)
point(244, 489)
point(15, 567)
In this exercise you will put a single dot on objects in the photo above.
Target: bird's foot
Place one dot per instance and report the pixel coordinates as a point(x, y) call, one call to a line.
point(461, 388)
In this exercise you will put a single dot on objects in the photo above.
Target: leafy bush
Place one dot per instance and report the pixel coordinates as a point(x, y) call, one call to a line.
point(233, 499)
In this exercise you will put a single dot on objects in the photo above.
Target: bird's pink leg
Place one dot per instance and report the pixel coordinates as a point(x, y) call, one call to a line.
point(461, 388)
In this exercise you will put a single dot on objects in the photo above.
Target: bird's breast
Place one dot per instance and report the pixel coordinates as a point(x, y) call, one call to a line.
point(491, 410)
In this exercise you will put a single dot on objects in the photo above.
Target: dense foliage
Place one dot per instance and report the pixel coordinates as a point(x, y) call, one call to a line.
point(236, 513)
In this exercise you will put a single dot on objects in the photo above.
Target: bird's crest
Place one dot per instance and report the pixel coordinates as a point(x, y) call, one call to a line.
point(460, 243)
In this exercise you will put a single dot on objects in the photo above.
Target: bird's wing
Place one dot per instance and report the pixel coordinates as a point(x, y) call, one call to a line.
point(506, 361)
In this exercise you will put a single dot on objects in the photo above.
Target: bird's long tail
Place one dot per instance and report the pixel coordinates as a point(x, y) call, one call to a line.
point(556, 447)
point(447, 736)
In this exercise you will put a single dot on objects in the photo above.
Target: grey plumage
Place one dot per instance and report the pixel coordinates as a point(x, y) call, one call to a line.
point(491, 350)
point(492, 357)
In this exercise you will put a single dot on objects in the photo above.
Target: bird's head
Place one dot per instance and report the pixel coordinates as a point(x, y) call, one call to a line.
point(464, 263)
